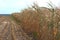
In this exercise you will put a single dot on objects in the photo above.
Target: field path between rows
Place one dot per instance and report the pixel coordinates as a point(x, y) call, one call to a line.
point(9, 30)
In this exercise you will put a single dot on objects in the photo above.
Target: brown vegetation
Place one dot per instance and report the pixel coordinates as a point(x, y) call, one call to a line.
point(39, 22)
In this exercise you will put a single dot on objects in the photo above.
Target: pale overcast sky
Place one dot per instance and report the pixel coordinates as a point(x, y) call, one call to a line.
point(10, 6)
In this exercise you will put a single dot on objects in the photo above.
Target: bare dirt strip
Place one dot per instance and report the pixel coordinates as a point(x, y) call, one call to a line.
point(9, 30)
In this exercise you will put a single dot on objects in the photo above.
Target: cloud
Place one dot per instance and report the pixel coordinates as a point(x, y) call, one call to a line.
point(9, 6)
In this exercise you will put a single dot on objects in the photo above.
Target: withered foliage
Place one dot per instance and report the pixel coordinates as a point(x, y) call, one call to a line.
point(39, 22)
